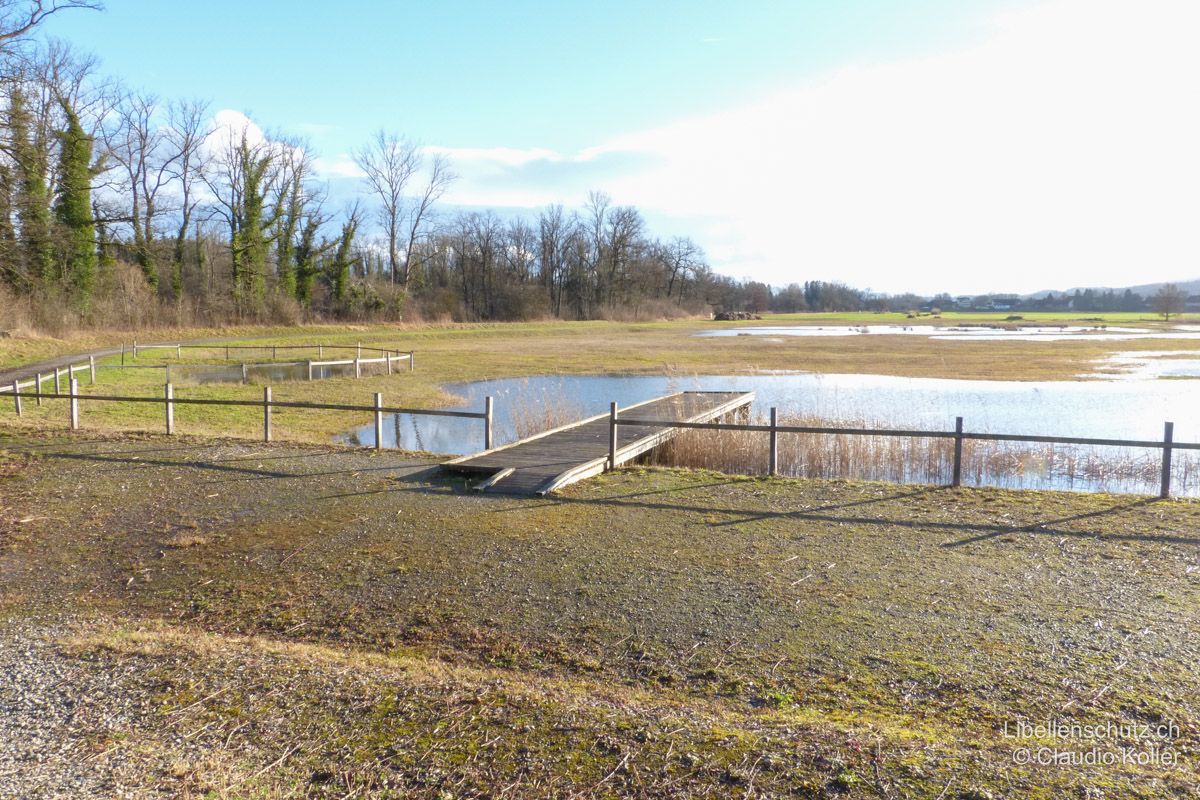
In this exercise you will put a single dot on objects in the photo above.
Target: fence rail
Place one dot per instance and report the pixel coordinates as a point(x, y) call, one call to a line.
point(1167, 444)
point(169, 400)
point(390, 357)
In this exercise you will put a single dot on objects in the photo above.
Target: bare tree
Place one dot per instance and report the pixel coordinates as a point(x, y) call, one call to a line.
point(683, 257)
point(187, 131)
point(440, 178)
point(389, 163)
point(1168, 300)
point(18, 18)
point(138, 145)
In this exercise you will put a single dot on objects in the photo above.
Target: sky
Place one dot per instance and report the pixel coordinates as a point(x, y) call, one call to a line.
point(924, 145)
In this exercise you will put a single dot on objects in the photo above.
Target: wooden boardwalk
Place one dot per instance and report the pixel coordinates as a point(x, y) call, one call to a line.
point(550, 460)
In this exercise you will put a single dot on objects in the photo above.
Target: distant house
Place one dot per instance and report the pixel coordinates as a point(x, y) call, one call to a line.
point(964, 302)
point(1004, 302)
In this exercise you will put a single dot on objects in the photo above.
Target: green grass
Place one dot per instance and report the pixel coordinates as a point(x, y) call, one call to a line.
point(647, 630)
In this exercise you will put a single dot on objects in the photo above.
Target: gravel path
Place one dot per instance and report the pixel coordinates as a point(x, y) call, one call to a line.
point(59, 717)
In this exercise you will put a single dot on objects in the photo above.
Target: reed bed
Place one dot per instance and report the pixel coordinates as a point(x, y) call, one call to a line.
point(926, 461)
point(541, 411)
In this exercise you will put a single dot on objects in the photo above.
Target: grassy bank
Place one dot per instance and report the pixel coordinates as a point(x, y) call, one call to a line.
point(322, 621)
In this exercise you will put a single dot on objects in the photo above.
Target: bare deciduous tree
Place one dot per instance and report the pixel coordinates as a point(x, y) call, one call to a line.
point(389, 163)
point(18, 18)
point(1168, 300)
point(440, 178)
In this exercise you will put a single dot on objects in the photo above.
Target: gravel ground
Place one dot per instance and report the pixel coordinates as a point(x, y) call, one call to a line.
point(330, 623)
point(56, 713)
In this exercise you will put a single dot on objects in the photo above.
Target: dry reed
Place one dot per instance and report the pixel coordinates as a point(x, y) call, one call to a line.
point(927, 461)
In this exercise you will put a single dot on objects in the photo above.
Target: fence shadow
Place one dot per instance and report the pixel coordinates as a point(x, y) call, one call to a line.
point(232, 465)
point(836, 513)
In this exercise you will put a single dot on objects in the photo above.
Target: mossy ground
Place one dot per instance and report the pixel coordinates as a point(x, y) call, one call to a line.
point(369, 625)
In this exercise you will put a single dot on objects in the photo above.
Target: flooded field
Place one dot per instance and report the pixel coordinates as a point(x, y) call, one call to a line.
point(965, 332)
point(1108, 409)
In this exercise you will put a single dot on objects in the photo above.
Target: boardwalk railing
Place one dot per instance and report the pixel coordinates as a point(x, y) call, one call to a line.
point(169, 400)
point(958, 435)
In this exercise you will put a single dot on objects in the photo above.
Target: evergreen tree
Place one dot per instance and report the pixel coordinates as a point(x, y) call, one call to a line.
point(306, 259)
point(343, 257)
point(31, 197)
point(9, 252)
point(250, 241)
point(73, 207)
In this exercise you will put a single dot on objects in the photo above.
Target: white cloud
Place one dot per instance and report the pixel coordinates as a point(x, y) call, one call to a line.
point(1062, 149)
point(339, 166)
point(228, 127)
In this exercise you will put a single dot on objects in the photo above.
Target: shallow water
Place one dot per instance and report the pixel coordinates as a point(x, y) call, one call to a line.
point(962, 333)
point(261, 373)
point(1149, 365)
point(1108, 409)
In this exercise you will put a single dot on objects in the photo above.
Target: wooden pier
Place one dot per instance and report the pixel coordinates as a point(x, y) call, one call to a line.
point(551, 460)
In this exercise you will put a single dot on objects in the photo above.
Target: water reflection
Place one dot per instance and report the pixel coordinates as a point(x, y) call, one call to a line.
point(1111, 409)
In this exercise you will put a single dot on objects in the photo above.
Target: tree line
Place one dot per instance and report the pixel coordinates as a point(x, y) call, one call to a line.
point(117, 206)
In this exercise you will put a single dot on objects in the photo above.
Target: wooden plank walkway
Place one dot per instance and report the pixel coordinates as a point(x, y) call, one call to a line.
point(549, 461)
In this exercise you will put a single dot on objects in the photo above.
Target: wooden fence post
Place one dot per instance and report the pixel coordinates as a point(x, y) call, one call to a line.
point(487, 423)
point(170, 395)
point(245, 374)
point(357, 367)
point(74, 386)
point(274, 353)
point(122, 354)
point(179, 351)
point(92, 368)
point(612, 435)
point(266, 413)
point(17, 397)
point(773, 464)
point(388, 357)
point(1168, 438)
point(135, 349)
point(57, 381)
point(358, 352)
point(226, 352)
point(378, 420)
point(411, 357)
point(310, 369)
point(37, 388)
point(320, 351)
point(958, 444)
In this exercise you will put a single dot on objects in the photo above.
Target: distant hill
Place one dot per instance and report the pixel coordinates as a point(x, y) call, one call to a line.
point(1144, 289)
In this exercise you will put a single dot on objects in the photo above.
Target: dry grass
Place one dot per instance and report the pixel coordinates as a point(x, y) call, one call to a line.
point(550, 410)
point(924, 461)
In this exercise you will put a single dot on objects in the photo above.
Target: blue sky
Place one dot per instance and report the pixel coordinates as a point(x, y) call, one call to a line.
point(919, 143)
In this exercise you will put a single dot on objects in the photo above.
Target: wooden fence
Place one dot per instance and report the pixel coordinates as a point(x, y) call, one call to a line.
point(267, 404)
point(958, 435)
point(390, 357)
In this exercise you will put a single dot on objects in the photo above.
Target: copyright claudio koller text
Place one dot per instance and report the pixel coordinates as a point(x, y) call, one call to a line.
point(1067, 743)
